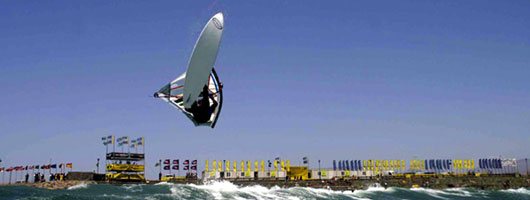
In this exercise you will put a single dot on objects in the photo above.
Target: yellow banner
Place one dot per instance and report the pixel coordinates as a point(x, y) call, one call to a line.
point(214, 165)
point(248, 166)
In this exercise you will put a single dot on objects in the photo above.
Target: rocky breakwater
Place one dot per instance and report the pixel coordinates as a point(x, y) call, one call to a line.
point(54, 185)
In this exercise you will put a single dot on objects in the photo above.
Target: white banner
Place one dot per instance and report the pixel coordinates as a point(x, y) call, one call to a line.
point(509, 162)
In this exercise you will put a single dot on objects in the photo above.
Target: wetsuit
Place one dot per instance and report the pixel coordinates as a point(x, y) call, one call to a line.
point(201, 110)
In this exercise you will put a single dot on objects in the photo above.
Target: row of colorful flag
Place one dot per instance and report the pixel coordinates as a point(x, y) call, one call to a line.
point(430, 164)
point(370, 165)
point(442, 164)
point(496, 163)
point(218, 165)
point(175, 165)
point(33, 167)
point(124, 141)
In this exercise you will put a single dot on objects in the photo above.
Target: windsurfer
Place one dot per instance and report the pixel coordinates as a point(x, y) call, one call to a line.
point(201, 109)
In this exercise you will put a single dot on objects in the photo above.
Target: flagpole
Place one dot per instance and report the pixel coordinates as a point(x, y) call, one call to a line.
point(3, 171)
point(50, 167)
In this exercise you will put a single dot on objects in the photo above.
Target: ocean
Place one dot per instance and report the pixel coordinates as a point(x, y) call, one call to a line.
point(227, 190)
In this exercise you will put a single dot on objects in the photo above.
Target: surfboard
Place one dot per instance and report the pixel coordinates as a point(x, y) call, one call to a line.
point(202, 59)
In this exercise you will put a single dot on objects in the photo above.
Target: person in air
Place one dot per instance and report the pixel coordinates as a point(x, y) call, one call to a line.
point(201, 110)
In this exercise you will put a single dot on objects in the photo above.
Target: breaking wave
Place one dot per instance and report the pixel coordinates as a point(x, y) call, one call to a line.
point(78, 186)
point(227, 190)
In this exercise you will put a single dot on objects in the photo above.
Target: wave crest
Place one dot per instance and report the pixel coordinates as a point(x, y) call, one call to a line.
point(78, 186)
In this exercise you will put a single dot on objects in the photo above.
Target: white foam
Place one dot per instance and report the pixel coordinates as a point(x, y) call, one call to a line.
point(459, 192)
point(164, 183)
point(431, 192)
point(78, 186)
point(133, 187)
point(520, 191)
point(227, 190)
point(327, 193)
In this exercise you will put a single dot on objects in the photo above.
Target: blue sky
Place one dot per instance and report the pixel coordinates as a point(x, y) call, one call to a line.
point(328, 80)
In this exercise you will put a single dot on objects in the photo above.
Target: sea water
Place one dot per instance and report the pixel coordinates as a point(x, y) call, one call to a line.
point(227, 190)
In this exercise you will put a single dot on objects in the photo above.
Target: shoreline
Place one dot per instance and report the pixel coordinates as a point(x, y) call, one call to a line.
point(433, 182)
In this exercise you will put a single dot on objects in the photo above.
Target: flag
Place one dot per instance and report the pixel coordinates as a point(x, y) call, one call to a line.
point(9, 169)
point(31, 167)
point(2, 169)
point(53, 166)
point(157, 164)
point(104, 139)
point(175, 167)
point(498, 164)
point(133, 144)
point(110, 139)
point(166, 167)
point(194, 162)
point(166, 162)
point(126, 140)
point(176, 162)
point(123, 140)
point(37, 166)
point(69, 165)
point(140, 141)
point(306, 160)
point(193, 167)
point(186, 167)
point(61, 166)
point(186, 162)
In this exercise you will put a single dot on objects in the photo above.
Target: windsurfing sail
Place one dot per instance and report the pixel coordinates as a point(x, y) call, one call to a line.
point(198, 92)
point(172, 93)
